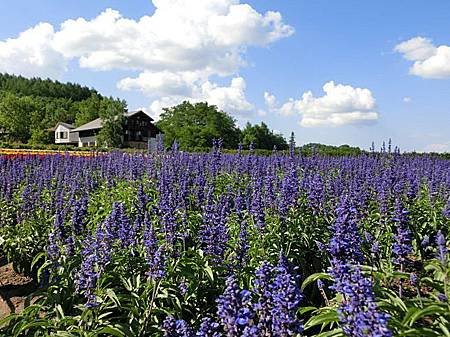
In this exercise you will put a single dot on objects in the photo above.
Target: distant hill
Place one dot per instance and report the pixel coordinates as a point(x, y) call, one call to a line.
point(44, 88)
point(29, 107)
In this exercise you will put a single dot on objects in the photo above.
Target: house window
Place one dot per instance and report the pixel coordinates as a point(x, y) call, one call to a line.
point(62, 135)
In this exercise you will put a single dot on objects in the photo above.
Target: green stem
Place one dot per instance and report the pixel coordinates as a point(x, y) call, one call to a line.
point(149, 309)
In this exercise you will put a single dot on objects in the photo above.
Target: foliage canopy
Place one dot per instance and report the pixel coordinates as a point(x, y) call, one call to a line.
point(262, 137)
point(197, 125)
point(30, 107)
point(111, 112)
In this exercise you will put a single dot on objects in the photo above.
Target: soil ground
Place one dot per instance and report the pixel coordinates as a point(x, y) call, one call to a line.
point(14, 289)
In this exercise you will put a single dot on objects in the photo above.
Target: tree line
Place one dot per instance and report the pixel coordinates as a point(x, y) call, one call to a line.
point(29, 107)
point(44, 88)
point(194, 126)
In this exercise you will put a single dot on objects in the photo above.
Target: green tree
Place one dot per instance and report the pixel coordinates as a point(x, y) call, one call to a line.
point(197, 125)
point(262, 137)
point(330, 150)
point(22, 86)
point(292, 143)
point(41, 136)
point(112, 115)
point(88, 110)
point(15, 113)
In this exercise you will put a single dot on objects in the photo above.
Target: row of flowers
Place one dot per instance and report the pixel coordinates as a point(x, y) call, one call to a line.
point(31, 152)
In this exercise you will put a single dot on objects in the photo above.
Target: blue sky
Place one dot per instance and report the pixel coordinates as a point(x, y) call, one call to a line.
point(389, 61)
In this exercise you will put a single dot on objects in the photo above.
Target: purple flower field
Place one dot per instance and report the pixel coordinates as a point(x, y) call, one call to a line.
point(179, 244)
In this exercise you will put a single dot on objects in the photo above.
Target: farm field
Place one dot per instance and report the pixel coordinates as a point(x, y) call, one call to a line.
point(180, 244)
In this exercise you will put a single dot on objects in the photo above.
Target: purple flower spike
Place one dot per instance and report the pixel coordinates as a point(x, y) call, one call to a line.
point(441, 243)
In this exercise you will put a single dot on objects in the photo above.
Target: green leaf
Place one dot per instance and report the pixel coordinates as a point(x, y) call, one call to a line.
point(60, 311)
point(42, 269)
point(210, 273)
point(65, 334)
point(314, 277)
point(444, 330)
point(112, 295)
point(418, 314)
point(304, 310)
point(43, 323)
point(116, 330)
point(5, 320)
point(325, 318)
point(421, 332)
point(37, 258)
point(332, 333)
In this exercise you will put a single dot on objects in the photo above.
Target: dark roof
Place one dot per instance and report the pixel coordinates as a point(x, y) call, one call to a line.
point(132, 113)
point(98, 123)
point(67, 125)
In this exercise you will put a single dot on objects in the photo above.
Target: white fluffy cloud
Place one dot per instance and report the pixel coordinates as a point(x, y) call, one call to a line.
point(181, 35)
point(429, 61)
point(438, 147)
point(175, 50)
point(228, 98)
point(418, 48)
point(271, 100)
point(163, 83)
point(31, 54)
point(341, 105)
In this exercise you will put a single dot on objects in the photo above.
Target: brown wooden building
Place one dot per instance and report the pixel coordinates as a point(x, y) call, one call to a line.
point(138, 129)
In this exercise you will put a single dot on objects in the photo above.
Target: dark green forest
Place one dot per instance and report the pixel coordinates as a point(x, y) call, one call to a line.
point(44, 88)
point(29, 107)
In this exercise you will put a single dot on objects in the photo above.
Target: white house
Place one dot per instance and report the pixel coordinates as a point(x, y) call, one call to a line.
point(64, 134)
point(138, 131)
